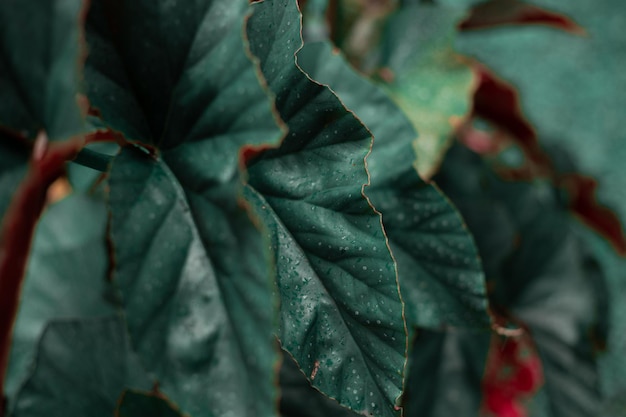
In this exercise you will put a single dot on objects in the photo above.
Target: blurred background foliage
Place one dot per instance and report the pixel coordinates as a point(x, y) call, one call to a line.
point(518, 107)
point(508, 110)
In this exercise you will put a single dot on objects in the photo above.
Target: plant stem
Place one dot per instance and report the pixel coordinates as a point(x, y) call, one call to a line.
point(18, 227)
point(17, 230)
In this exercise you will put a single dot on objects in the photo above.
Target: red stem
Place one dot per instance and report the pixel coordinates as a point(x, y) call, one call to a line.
point(17, 230)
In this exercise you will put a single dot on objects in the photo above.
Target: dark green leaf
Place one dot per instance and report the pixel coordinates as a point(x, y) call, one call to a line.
point(300, 399)
point(13, 167)
point(40, 67)
point(171, 73)
point(192, 267)
point(341, 313)
point(66, 277)
point(560, 304)
point(445, 370)
point(194, 276)
point(438, 266)
point(572, 93)
point(544, 276)
point(82, 368)
point(137, 404)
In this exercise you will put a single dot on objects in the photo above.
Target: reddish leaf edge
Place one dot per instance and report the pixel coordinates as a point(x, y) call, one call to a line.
point(498, 13)
point(498, 102)
point(249, 153)
point(47, 164)
point(398, 400)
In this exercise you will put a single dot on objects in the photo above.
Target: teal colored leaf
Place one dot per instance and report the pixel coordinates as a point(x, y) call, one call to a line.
point(13, 167)
point(572, 93)
point(561, 307)
point(134, 404)
point(176, 76)
point(82, 368)
point(407, 47)
point(176, 73)
point(543, 276)
point(299, 399)
point(66, 277)
point(341, 313)
point(194, 275)
point(452, 362)
point(41, 56)
point(439, 270)
point(424, 75)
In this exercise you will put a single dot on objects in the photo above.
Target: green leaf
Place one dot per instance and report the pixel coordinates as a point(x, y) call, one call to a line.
point(444, 280)
point(545, 277)
point(300, 399)
point(82, 367)
point(66, 277)
point(134, 404)
point(40, 67)
point(439, 270)
point(168, 73)
point(572, 94)
point(13, 167)
point(560, 305)
point(425, 76)
point(452, 362)
point(194, 276)
point(341, 313)
point(199, 306)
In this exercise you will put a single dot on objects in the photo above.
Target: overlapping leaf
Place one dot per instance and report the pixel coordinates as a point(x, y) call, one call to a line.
point(66, 277)
point(195, 284)
point(452, 362)
point(425, 76)
point(572, 94)
point(562, 306)
point(440, 273)
point(168, 74)
point(192, 267)
point(40, 67)
point(341, 316)
point(407, 47)
point(83, 366)
point(300, 399)
point(542, 274)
